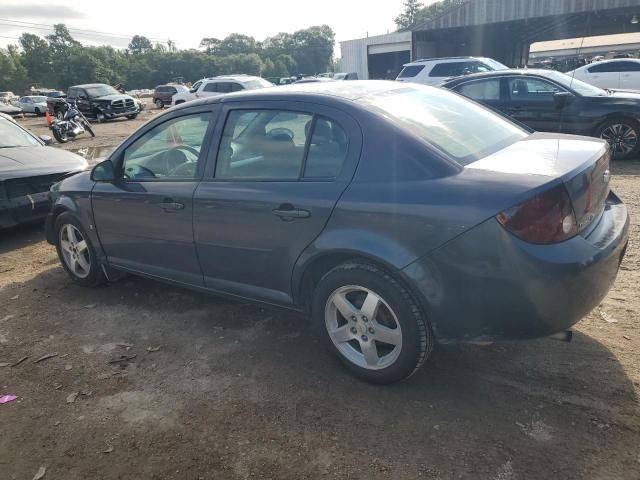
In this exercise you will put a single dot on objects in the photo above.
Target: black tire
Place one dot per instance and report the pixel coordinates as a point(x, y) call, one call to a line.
point(87, 127)
point(132, 117)
point(37, 112)
point(59, 114)
point(618, 149)
point(59, 136)
point(159, 103)
point(100, 117)
point(417, 338)
point(95, 275)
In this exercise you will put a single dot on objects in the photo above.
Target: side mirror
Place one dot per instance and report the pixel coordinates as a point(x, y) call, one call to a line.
point(103, 172)
point(193, 90)
point(562, 99)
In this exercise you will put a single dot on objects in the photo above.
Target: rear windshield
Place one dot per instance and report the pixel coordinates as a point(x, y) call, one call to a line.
point(459, 128)
point(410, 71)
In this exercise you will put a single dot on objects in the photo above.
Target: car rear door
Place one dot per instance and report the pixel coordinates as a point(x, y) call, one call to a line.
point(144, 218)
point(604, 75)
point(630, 75)
point(486, 91)
point(280, 168)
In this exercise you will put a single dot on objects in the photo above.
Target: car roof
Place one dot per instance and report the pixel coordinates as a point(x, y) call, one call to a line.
point(342, 92)
point(441, 59)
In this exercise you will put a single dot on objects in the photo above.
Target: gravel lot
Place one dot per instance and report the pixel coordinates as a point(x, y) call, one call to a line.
point(221, 390)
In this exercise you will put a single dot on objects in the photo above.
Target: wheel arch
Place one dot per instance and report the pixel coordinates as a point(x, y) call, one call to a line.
point(613, 116)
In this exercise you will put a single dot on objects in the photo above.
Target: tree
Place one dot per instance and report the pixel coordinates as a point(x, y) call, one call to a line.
point(13, 75)
point(36, 57)
point(407, 18)
point(313, 49)
point(140, 44)
point(237, 43)
point(211, 45)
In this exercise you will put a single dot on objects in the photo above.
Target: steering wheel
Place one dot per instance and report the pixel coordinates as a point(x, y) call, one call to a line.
point(184, 170)
point(281, 131)
point(142, 170)
point(172, 162)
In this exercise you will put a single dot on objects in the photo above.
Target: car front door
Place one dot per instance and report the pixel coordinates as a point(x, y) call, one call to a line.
point(83, 101)
point(144, 218)
point(279, 172)
point(531, 101)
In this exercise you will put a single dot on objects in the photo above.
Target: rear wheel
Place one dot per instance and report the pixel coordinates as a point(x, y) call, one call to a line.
point(372, 323)
point(76, 252)
point(37, 111)
point(623, 135)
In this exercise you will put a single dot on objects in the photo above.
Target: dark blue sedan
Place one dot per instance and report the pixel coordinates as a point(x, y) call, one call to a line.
point(395, 215)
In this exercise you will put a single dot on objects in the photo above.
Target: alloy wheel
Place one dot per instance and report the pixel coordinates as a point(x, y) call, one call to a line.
point(622, 138)
point(363, 327)
point(75, 251)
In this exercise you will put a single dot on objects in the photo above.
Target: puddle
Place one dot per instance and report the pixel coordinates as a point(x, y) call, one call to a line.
point(94, 154)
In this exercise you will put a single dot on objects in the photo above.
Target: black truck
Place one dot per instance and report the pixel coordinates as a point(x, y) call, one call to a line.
point(96, 100)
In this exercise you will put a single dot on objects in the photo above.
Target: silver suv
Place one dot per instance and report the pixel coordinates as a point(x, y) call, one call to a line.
point(435, 71)
point(213, 86)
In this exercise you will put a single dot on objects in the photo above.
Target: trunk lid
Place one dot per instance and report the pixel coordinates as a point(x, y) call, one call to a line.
point(581, 163)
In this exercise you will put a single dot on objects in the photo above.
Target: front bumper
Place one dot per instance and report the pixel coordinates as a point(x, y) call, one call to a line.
point(110, 113)
point(487, 284)
point(25, 209)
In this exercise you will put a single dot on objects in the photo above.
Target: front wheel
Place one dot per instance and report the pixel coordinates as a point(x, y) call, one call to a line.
point(159, 103)
point(76, 252)
point(623, 136)
point(60, 135)
point(101, 117)
point(372, 323)
point(132, 117)
point(87, 127)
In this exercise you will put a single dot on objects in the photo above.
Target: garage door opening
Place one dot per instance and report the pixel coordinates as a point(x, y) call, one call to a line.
point(386, 66)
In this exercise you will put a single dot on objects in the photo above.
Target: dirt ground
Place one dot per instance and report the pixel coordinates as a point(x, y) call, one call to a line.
point(221, 390)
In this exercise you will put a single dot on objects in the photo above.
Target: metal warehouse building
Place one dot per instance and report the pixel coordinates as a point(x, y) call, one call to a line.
point(379, 57)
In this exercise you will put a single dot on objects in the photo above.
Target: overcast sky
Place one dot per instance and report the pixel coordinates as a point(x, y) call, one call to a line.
point(187, 22)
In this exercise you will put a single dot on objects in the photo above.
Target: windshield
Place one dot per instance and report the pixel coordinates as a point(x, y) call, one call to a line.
point(257, 83)
point(11, 135)
point(494, 64)
point(100, 91)
point(574, 84)
point(461, 129)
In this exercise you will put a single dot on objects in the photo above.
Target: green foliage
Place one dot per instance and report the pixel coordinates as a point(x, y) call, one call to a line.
point(59, 61)
point(416, 14)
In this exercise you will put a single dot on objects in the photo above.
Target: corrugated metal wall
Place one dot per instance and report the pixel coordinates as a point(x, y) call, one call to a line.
point(354, 52)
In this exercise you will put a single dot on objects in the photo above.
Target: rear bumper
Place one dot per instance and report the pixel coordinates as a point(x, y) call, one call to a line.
point(488, 284)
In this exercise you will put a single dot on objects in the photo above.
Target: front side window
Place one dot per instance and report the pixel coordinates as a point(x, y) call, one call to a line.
point(170, 151)
point(263, 144)
point(460, 129)
point(627, 66)
point(210, 87)
point(482, 90)
point(532, 89)
point(410, 71)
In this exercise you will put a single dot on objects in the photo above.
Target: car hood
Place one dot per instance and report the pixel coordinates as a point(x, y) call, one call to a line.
point(20, 162)
point(112, 97)
point(5, 108)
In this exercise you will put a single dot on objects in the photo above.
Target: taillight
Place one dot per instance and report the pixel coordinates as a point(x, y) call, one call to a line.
point(546, 218)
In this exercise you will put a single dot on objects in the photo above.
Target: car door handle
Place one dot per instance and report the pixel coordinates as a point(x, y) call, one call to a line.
point(169, 204)
point(288, 212)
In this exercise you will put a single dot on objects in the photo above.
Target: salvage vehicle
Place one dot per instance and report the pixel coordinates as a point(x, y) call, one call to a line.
point(33, 104)
point(28, 168)
point(96, 100)
point(12, 110)
point(550, 101)
point(395, 215)
point(163, 94)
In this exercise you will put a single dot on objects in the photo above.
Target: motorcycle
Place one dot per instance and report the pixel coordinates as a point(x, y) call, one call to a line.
point(72, 124)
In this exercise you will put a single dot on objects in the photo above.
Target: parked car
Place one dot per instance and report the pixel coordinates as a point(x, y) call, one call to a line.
point(33, 104)
point(314, 80)
point(395, 215)
point(28, 168)
point(97, 100)
point(7, 97)
point(549, 101)
point(214, 86)
point(611, 74)
point(163, 94)
point(434, 71)
point(345, 76)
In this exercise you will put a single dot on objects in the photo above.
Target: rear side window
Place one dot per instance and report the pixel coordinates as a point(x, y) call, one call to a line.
point(327, 149)
point(410, 71)
point(263, 144)
point(481, 90)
